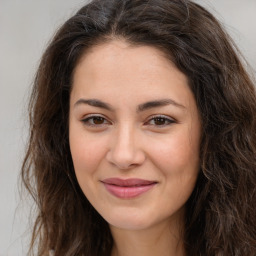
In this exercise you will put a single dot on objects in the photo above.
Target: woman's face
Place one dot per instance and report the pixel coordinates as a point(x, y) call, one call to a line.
point(134, 132)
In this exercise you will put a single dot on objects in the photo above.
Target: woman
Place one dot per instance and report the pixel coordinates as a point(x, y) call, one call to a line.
point(143, 135)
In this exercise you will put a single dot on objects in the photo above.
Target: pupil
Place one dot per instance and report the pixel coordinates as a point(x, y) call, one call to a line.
point(98, 120)
point(159, 121)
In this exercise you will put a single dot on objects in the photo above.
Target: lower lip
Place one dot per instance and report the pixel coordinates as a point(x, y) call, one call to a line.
point(128, 192)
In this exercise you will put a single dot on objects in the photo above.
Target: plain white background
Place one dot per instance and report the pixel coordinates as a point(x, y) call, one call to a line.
point(25, 28)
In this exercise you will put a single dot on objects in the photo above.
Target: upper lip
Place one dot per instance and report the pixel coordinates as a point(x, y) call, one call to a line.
point(128, 182)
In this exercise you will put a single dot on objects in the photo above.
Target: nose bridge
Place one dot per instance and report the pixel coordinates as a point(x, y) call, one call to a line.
point(124, 145)
point(125, 151)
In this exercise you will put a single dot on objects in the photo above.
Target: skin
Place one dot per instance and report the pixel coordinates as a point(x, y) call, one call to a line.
point(128, 141)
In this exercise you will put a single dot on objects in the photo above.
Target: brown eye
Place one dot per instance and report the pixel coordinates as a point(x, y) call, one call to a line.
point(160, 121)
point(98, 120)
point(95, 121)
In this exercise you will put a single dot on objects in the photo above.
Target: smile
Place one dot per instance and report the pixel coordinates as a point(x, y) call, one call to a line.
point(129, 188)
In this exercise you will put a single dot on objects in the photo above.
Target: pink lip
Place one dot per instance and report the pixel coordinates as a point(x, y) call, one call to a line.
point(128, 188)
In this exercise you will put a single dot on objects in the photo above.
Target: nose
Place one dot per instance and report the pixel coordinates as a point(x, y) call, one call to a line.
point(124, 151)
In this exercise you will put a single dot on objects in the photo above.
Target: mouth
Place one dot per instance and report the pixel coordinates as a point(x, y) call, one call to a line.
point(127, 188)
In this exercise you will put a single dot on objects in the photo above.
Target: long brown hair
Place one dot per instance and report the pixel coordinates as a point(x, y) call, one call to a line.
point(220, 214)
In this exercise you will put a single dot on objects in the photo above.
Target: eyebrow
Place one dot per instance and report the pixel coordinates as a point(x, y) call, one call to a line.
point(158, 103)
point(140, 108)
point(94, 103)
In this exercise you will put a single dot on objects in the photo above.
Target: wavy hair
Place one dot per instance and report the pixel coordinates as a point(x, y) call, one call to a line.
point(220, 214)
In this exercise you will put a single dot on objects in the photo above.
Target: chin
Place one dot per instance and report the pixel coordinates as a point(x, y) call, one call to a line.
point(129, 220)
point(129, 224)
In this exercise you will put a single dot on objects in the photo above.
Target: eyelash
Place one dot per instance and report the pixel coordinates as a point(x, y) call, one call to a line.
point(167, 121)
point(87, 120)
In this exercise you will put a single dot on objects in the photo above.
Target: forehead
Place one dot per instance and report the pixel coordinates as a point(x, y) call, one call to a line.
point(118, 68)
point(120, 48)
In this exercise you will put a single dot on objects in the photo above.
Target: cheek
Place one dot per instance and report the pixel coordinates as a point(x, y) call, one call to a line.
point(178, 161)
point(178, 151)
point(177, 157)
point(87, 152)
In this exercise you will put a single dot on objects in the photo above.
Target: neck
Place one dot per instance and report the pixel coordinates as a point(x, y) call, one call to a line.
point(163, 239)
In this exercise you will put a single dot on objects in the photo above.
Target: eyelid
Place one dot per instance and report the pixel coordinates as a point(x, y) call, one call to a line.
point(167, 118)
point(86, 118)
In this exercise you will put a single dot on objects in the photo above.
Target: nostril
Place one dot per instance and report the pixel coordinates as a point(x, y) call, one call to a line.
point(124, 151)
point(125, 162)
